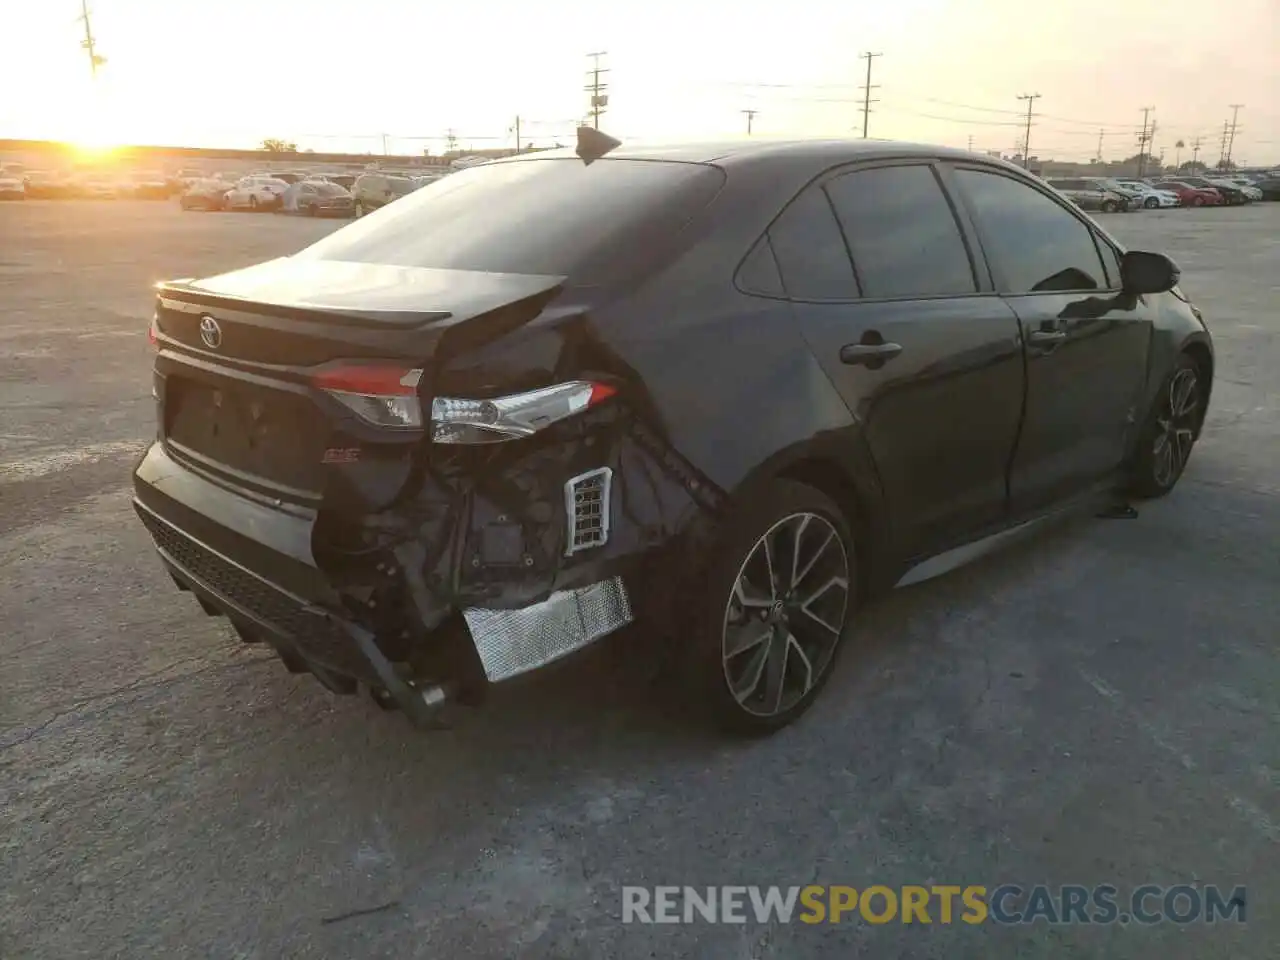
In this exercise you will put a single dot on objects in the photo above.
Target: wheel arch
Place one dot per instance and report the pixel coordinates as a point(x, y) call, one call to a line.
point(1198, 349)
point(859, 497)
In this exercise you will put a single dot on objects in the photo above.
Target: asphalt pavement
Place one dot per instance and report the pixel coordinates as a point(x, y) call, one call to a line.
point(1098, 706)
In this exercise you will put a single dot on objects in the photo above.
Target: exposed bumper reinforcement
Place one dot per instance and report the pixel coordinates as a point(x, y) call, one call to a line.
point(512, 642)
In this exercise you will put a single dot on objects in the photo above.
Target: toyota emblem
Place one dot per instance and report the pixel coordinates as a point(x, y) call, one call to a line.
point(210, 332)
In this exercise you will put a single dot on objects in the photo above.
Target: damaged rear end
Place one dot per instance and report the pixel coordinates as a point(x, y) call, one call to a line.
point(416, 479)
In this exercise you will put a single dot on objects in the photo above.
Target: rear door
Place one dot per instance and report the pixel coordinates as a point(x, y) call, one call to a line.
point(908, 329)
point(1086, 341)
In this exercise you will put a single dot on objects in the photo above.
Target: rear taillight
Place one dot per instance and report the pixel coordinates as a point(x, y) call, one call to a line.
point(385, 395)
point(459, 420)
point(153, 333)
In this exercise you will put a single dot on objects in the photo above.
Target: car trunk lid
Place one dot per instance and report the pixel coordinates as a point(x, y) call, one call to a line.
point(243, 356)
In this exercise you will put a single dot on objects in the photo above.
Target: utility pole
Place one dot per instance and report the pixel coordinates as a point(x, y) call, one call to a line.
point(517, 134)
point(599, 97)
point(1222, 155)
point(866, 91)
point(1143, 138)
point(751, 115)
point(971, 143)
point(1195, 150)
point(1031, 99)
point(384, 145)
point(95, 61)
point(1231, 140)
point(450, 141)
point(1098, 158)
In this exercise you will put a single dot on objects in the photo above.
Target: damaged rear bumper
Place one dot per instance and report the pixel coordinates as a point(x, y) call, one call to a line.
point(254, 561)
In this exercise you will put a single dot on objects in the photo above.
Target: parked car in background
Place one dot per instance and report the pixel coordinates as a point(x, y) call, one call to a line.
point(345, 180)
point(151, 185)
point(318, 198)
point(97, 188)
point(374, 190)
point(1191, 196)
point(256, 192)
point(1149, 196)
point(40, 185)
point(556, 437)
point(1230, 193)
point(1133, 198)
point(1269, 188)
point(1244, 185)
point(11, 188)
point(205, 194)
point(1088, 195)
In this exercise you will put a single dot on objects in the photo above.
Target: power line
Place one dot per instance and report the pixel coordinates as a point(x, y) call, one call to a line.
point(866, 91)
point(599, 98)
point(1031, 99)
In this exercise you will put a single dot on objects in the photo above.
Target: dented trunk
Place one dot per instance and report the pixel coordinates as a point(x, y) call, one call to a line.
point(289, 491)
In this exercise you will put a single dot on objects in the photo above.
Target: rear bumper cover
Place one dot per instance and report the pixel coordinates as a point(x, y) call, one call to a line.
point(254, 562)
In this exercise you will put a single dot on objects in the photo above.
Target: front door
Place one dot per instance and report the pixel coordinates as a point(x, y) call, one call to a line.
point(1086, 341)
point(924, 354)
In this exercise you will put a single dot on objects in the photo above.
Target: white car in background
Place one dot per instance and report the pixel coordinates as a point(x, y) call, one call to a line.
point(256, 193)
point(1151, 197)
point(11, 188)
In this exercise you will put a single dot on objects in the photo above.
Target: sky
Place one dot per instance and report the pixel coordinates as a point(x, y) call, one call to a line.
point(399, 75)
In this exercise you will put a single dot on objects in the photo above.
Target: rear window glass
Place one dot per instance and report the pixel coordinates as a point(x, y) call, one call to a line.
point(548, 216)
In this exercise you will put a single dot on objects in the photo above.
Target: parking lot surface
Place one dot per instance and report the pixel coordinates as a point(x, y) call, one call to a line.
point(1100, 705)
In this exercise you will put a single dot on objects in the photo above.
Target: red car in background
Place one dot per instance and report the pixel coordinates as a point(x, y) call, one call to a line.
point(1191, 196)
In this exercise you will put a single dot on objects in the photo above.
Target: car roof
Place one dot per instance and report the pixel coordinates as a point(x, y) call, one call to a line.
point(736, 151)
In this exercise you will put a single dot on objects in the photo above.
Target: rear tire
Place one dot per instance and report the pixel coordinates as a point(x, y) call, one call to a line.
point(1170, 431)
point(1108, 206)
point(1197, 201)
point(359, 209)
point(775, 605)
point(1151, 203)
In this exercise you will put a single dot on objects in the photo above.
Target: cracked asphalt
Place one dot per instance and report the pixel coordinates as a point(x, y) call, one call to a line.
point(1099, 705)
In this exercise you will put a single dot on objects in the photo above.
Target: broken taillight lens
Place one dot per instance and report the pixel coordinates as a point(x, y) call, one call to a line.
point(385, 395)
point(458, 420)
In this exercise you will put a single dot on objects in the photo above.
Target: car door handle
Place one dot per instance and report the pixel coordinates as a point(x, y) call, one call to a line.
point(865, 354)
point(1046, 337)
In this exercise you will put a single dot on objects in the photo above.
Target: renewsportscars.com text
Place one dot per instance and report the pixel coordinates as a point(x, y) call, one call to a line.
point(937, 903)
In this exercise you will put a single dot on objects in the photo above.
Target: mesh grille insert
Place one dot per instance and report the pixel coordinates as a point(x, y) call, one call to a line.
point(586, 500)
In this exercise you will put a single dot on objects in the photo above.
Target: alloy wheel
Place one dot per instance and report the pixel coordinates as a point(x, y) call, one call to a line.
point(785, 614)
point(1175, 427)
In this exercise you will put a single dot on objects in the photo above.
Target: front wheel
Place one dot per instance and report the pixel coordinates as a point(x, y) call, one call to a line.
point(776, 604)
point(1170, 431)
point(1151, 203)
point(1197, 201)
point(1108, 206)
point(253, 204)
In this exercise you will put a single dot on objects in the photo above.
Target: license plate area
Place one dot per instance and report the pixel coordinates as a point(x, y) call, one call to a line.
point(274, 435)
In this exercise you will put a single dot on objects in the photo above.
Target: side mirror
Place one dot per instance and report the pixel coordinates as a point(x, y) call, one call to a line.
point(1142, 272)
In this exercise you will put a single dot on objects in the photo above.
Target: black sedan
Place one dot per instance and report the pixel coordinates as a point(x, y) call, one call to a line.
point(732, 392)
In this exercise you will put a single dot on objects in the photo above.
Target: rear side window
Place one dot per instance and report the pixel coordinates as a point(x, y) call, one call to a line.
point(811, 253)
point(1033, 243)
point(559, 217)
point(759, 271)
point(902, 233)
